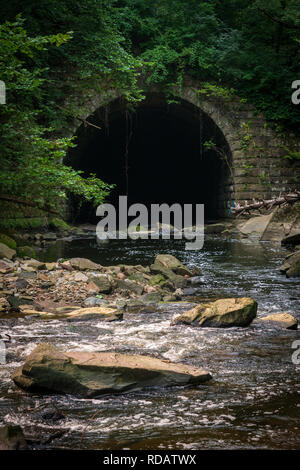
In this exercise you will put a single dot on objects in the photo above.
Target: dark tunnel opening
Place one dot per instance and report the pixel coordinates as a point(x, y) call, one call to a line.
point(155, 154)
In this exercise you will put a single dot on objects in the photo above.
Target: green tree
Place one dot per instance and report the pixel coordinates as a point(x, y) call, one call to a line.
point(31, 164)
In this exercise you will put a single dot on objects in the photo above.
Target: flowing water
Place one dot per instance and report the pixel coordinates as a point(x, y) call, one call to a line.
point(253, 399)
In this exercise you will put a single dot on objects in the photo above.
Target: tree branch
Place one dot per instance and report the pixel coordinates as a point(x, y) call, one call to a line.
point(85, 122)
point(288, 198)
point(277, 20)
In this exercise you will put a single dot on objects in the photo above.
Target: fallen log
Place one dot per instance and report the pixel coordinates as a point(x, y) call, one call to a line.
point(258, 204)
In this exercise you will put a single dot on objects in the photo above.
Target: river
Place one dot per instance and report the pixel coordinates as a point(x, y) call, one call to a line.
point(253, 399)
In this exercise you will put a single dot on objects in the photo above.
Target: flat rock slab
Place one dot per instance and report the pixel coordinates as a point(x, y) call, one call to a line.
point(256, 225)
point(84, 264)
point(100, 313)
point(282, 320)
point(222, 313)
point(88, 374)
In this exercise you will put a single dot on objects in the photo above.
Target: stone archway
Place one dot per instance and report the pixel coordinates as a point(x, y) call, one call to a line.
point(253, 166)
point(158, 153)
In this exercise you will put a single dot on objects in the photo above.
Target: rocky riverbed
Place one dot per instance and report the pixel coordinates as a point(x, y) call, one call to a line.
point(251, 400)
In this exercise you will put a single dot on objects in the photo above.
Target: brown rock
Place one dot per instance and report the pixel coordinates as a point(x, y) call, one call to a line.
point(92, 374)
point(283, 320)
point(222, 313)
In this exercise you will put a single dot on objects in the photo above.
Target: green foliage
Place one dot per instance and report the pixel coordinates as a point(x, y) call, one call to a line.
point(31, 162)
point(23, 223)
point(28, 251)
point(251, 47)
point(55, 52)
point(58, 224)
point(292, 155)
point(210, 89)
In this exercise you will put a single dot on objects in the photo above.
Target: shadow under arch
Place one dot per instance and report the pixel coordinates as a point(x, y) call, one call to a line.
point(157, 153)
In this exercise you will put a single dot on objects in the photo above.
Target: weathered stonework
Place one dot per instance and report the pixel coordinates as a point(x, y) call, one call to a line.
point(259, 169)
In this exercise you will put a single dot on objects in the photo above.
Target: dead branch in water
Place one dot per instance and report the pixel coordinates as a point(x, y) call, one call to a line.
point(258, 204)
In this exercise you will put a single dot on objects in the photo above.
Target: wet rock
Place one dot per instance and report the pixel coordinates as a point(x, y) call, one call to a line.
point(154, 297)
point(214, 228)
point(49, 236)
point(99, 313)
point(291, 265)
point(89, 375)
point(83, 264)
point(178, 281)
point(27, 275)
point(6, 252)
point(256, 226)
point(26, 251)
point(6, 266)
point(80, 277)
point(92, 288)
point(282, 320)
point(4, 304)
point(189, 291)
point(157, 279)
point(50, 266)
point(12, 438)
point(102, 282)
point(129, 286)
point(169, 298)
point(222, 313)
point(196, 280)
point(34, 264)
point(16, 301)
point(291, 239)
point(172, 263)
point(66, 265)
point(121, 276)
point(94, 302)
point(21, 283)
point(67, 309)
point(51, 414)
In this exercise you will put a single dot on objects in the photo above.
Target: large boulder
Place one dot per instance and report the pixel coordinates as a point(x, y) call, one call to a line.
point(222, 313)
point(172, 263)
point(6, 252)
point(282, 320)
point(177, 280)
point(12, 438)
point(291, 265)
point(83, 264)
point(89, 374)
